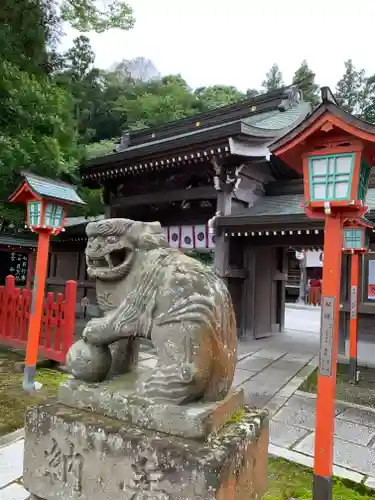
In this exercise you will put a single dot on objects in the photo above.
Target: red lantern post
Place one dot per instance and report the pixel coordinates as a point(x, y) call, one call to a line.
point(46, 202)
point(356, 242)
point(333, 151)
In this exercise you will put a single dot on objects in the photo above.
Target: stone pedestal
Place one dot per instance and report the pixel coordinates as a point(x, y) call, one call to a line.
point(202, 451)
point(119, 399)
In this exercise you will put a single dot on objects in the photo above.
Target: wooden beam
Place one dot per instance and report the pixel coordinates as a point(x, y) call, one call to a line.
point(242, 148)
point(233, 272)
point(244, 195)
point(199, 193)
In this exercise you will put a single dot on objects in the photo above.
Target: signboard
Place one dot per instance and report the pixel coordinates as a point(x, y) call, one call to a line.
point(371, 280)
point(13, 263)
point(353, 302)
point(326, 336)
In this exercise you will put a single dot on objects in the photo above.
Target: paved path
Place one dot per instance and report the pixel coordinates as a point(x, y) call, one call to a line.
point(302, 318)
point(270, 372)
point(292, 437)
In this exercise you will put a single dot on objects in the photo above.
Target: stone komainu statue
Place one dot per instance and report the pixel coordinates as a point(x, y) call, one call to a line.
point(148, 289)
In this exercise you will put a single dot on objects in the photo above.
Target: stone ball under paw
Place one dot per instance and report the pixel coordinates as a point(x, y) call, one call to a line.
point(88, 362)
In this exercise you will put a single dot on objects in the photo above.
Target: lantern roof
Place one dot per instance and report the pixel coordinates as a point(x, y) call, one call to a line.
point(35, 187)
point(361, 221)
point(327, 124)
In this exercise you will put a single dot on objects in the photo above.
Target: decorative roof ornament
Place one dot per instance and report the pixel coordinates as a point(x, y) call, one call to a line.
point(293, 97)
point(122, 143)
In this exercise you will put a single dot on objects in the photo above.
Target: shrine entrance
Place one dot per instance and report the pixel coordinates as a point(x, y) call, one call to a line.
point(258, 280)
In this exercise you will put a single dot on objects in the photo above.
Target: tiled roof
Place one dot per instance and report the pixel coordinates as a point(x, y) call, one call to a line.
point(290, 204)
point(277, 205)
point(17, 241)
point(279, 120)
point(267, 124)
point(53, 189)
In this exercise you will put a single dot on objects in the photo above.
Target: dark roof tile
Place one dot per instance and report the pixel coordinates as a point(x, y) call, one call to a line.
point(290, 204)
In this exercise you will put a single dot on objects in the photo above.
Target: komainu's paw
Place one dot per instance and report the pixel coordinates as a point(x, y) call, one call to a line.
point(94, 332)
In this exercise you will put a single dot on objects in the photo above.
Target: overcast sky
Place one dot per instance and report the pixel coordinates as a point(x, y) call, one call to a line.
point(234, 42)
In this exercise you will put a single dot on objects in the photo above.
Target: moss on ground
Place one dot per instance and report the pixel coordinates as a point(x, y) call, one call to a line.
point(288, 481)
point(13, 399)
point(238, 415)
point(362, 393)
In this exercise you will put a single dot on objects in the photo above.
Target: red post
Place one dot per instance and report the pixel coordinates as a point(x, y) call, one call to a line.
point(70, 315)
point(325, 410)
point(36, 310)
point(354, 316)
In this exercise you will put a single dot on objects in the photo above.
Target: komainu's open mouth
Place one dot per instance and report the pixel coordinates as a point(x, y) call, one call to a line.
point(111, 260)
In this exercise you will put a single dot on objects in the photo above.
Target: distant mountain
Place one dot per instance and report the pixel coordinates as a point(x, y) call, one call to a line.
point(139, 68)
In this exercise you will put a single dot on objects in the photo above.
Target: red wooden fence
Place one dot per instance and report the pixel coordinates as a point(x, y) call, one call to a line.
point(57, 332)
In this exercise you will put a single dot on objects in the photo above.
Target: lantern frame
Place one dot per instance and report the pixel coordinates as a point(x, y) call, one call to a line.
point(361, 225)
point(355, 175)
point(47, 202)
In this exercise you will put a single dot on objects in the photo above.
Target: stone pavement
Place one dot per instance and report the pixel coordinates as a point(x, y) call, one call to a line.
point(292, 437)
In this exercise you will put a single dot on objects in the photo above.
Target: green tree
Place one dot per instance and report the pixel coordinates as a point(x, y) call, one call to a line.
point(366, 107)
point(146, 104)
point(97, 15)
point(37, 129)
point(101, 148)
point(350, 88)
point(83, 81)
point(309, 88)
point(44, 98)
point(251, 93)
point(28, 32)
point(217, 95)
point(274, 79)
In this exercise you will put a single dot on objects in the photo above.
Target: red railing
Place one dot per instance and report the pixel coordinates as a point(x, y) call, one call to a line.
point(57, 332)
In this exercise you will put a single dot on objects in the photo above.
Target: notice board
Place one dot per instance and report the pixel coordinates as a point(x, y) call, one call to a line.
point(14, 263)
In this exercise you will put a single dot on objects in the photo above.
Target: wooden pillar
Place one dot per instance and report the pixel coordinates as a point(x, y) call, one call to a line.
point(353, 329)
point(303, 280)
point(223, 207)
point(282, 289)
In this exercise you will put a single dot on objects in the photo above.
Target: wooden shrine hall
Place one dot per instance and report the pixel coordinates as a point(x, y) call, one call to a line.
point(212, 182)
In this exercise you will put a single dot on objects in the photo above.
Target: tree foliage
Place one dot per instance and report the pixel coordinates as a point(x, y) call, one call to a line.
point(48, 101)
point(310, 89)
point(367, 100)
point(101, 148)
point(274, 79)
point(349, 89)
point(37, 129)
point(28, 32)
point(83, 81)
point(217, 95)
point(98, 15)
